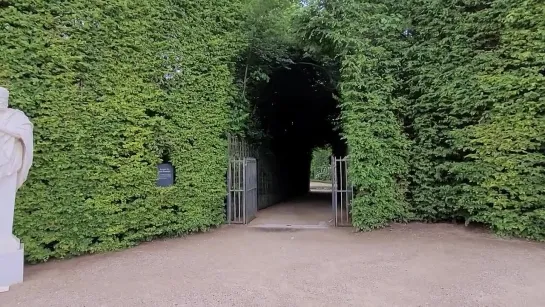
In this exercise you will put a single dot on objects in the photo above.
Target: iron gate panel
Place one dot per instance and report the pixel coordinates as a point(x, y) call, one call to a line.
point(250, 189)
point(342, 191)
point(235, 190)
point(242, 186)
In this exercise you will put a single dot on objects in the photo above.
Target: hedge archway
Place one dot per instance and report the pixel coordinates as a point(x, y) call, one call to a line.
point(443, 115)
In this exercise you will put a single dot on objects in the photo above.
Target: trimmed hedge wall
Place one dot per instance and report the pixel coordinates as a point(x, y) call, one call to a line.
point(113, 88)
point(443, 108)
point(477, 93)
point(364, 37)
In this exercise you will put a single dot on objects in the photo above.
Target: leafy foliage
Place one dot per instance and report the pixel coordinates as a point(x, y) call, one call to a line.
point(269, 37)
point(477, 113)
point(320, 167)
point(364, 37)
point(504, 170)
point(113, 88)
point(440, 70)
point(443, 106)
point(454, 87)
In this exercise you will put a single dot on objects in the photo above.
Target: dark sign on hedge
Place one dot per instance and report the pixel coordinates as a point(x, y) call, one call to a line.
point(165, 175)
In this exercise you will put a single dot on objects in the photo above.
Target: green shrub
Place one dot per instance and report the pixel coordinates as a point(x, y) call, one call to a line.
point(503, 173)
point(364, 36)
point(441, 66)
point(477, 113)
point(444, 123)
point(320, 167)
point(113, 88)
point(463, 81)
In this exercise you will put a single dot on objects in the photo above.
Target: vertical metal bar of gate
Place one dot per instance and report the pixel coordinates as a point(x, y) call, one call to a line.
point(244, 192)
point(240, 191)
point(334, 189)
point(342, 191)
point(229, 186)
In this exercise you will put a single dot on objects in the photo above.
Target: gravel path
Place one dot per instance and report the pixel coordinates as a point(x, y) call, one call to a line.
point(313, 209)
point(406, 265)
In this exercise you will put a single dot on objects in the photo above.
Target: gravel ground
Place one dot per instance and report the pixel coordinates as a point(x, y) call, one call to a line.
point(405, 265)
point(312, 209)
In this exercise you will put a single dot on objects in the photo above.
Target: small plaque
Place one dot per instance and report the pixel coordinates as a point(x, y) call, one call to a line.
point(165, 175)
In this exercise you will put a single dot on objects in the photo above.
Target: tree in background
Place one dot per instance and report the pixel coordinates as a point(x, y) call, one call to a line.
point(320, 167)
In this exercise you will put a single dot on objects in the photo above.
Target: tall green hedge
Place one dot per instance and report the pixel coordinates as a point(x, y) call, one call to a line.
point(443, 108)
point(441, 66)
point(364, 37)
point(503, 174)
point(114, 88)
point(477, 93)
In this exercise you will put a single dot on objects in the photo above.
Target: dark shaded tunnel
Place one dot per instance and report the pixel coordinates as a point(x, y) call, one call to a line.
point(298, 111)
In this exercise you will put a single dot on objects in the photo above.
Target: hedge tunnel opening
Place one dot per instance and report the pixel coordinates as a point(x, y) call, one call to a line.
point(298, 110)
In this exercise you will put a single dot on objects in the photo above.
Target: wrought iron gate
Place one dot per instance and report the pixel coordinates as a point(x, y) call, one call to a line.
point(242, 186)
point(342, 191)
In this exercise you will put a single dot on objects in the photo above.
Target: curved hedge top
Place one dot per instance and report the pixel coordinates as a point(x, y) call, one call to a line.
point(364, 37)
point(443, 108)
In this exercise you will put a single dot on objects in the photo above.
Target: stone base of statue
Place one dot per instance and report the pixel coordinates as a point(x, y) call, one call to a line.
point(11, 262)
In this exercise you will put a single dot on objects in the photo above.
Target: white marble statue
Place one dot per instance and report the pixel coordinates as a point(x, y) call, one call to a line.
point(16, 151)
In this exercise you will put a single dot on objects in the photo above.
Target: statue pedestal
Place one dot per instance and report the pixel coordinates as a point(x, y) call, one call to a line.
point(12, 259)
